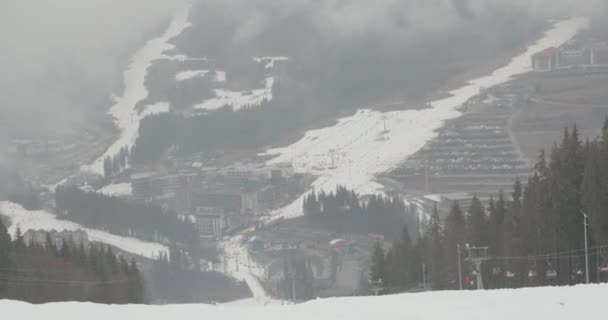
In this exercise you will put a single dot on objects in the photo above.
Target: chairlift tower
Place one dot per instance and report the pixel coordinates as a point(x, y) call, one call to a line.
point(332, 154)
point(477, 255)
point(384, 121)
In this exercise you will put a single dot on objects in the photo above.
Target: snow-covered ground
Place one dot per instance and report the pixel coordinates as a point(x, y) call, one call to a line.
point(238, 99)
point(357, 148)
point(191, 74)
point(242, 99)
point(269, 61)
point(566, 303)
point(238, 265)
point(42, 220)
point(220, 76)
point(125, 114)
point(181, 58)
point(117, 190)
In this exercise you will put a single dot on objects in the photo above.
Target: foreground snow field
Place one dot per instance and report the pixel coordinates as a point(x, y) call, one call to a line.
point(565, 303)
point(356, 149)
point(41, 220)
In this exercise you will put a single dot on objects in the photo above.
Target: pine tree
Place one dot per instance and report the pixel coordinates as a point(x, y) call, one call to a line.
point(497, 216)
point(377, 270)
point(5, 256)
point(107, 168)
point(593, 192)
point(478, 224)
point(455, 236)
point(435, 251)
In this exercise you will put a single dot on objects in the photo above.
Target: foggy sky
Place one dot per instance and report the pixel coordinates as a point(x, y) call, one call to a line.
point(397, 19)
point(58, 56)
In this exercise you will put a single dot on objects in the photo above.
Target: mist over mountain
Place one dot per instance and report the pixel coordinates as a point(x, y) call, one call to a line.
point(63, 59)
point(368, 51)
point(69, 56)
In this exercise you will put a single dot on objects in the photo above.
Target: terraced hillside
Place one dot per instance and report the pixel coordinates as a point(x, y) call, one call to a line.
point(475, 153)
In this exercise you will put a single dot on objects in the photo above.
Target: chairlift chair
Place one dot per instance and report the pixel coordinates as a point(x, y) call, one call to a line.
point(551, 272)
point(604, 264)
point(532, 274)
point(508, 272)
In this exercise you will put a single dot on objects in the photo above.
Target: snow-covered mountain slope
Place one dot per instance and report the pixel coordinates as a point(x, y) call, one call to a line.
point(126, 116)
point(117, 190)
point(243, 99)
point(565, 303)
point(239, 265)
point(42, 220)
point(356, 149)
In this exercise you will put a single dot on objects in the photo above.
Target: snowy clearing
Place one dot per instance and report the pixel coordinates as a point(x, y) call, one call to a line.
point(564, 303)
point(160, 107)
point(220, 76)
point(352, 152)
point(125, 114)
point(269, 61)
point(238, 99)
point(117, 190)
point(181, 58)
point(191, 74)
point(42, 220)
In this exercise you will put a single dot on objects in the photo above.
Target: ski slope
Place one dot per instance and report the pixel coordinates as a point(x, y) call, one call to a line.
point(237, 99)
point(238, 265)
point(565, 303)
point(356, 149)
point(242, 99)
point(42, 220)
point(117, 190)
point(191, 74)
point(126, 116)
point(269, 61)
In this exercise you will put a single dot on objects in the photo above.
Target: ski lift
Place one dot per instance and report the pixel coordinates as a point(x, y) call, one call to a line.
point(578, 271)
point(604, 264)
point(508, 272)
point(496, 271)
point(532, 274)
point(551, 272)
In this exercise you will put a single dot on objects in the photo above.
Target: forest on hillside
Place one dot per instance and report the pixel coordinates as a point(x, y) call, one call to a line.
point(122, 217)
point(535, 236)
point(42, 273)
point(344, 211)
point(224, 129)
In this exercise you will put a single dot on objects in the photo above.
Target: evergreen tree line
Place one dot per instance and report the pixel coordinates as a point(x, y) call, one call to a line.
point(176, 278)
point(41, 273)
point(114, 165)
point(343, 211)
point(298, 281)
point(220, 130)
point(534, 237)
point(123, 217)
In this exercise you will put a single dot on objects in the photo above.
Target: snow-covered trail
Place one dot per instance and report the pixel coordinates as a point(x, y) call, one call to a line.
point(357, 148)
point(238, 264)
point(42, 220)
point(126, 116)
point(563, 303)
